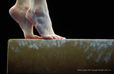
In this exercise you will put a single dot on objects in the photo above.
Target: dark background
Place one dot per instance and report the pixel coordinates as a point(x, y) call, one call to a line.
point(71, 19)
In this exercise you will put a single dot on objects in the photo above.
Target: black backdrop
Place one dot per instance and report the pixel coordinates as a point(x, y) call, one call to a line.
point(71, 19)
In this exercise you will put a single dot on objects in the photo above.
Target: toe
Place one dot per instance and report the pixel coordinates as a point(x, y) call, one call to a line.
point(37, 37)
point(55, 37)
point(63, 38)
point(48, 37)
point(59, 37)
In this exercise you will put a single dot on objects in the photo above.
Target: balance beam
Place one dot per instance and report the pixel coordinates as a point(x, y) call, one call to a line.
point(60, 56)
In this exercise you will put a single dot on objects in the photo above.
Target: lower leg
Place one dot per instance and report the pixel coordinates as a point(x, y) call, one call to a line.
point(39, 15)
point(18, 12)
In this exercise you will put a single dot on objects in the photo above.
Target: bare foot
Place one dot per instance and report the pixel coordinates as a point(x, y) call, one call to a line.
point(52, 37)
point(33, 37)
point(38, 14)
point(18, 12)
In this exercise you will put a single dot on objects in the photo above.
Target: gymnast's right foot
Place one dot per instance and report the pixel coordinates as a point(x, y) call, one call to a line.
point(38, 15)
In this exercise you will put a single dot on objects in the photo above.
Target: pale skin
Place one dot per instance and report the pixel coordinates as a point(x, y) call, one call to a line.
point(33, 13)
